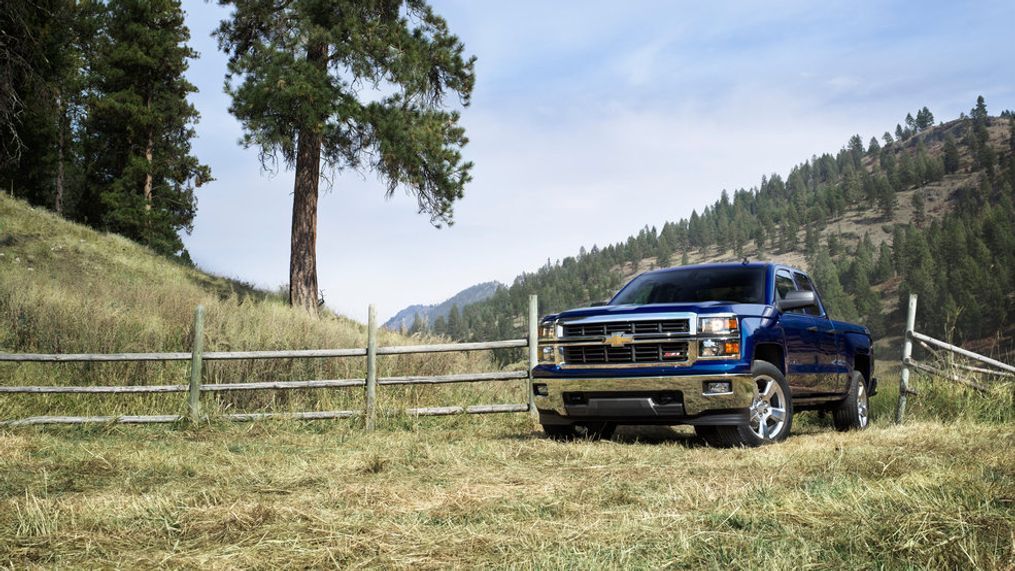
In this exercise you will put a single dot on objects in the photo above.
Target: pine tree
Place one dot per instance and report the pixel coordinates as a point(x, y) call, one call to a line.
point(810, 240)
point(141, 173)
point(418, 325)
point(951, 155)
point(979, 113)
point(924, 119)
point(887, 138)
point(1011, 131)
point(856, 149)
point(300, 66)
point(440, 326)
point(456, 328)
point(905, 173)
point(883, 268)
point(40, 69)
point(826, 275)
point(887, 201)
point(873, 147)
point(919, 208)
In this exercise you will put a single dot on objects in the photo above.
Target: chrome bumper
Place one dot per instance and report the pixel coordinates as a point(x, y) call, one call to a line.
point(634, 396)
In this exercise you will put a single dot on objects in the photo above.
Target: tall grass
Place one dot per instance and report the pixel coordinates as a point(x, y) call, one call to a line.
point(65, 288)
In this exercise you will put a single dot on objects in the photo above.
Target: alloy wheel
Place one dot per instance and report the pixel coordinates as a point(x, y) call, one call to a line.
point(768, 411)
point(861, 405)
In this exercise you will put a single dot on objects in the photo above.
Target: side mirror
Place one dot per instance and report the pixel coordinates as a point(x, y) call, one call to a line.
point(797, 300)
point(599, 303)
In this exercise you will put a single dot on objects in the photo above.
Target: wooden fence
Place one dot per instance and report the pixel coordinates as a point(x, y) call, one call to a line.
point(994, 367)
point(370, 383)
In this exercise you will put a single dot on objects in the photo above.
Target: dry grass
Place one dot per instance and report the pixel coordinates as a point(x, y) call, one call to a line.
point(65, 288)
point(492, 492)
point(433, 493)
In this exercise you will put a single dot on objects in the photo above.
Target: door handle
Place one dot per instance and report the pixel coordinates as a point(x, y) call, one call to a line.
point(813, 329)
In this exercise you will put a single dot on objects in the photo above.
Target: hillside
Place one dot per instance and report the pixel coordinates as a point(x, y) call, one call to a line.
point(66, 288)
point(928, 211)
point(416, 316)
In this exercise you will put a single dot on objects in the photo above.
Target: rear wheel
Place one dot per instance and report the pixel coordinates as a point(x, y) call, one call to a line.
point(853, 413)
point(771, 413)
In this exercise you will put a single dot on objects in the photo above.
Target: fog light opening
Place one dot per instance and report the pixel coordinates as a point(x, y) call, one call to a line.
point(540, 390)
point(718, 387)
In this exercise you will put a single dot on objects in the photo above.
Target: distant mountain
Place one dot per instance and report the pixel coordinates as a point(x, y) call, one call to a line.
point(429, 313)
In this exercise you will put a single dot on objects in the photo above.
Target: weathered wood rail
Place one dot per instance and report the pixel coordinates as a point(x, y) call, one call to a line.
point(1000, 369)
point(195, 388)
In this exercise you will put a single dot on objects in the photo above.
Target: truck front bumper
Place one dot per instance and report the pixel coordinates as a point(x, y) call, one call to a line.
point(644, 400)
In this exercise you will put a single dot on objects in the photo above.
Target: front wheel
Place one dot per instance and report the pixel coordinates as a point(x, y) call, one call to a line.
point(853, 413)
point(771, 413)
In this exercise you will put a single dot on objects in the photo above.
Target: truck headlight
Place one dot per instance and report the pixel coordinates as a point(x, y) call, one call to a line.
point(547, 336)
point(719, 348)
point(725, 325)
point(547, 354)
point(548, 331)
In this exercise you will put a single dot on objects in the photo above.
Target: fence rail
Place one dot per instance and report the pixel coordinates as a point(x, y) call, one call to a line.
point(195, 388)
point(926, 341)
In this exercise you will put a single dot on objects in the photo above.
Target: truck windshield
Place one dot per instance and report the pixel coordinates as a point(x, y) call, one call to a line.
point(737, 285)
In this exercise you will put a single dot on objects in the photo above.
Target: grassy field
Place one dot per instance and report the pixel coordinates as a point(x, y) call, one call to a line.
point(938, 492)
point(492, 492)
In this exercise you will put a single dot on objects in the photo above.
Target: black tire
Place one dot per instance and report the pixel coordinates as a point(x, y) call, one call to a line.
point(772, 395)
point(853, 413)
point(706, 433)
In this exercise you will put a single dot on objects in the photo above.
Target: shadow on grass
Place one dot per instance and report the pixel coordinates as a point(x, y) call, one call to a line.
point(630, 435)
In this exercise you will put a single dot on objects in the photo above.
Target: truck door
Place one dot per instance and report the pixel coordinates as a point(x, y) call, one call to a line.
point(803, 355)
point(831, 365)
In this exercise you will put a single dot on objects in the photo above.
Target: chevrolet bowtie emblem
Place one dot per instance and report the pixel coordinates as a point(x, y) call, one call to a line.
point(618, 340)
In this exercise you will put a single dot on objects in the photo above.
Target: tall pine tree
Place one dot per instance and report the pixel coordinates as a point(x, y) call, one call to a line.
point(141, 173)
point(299, 68)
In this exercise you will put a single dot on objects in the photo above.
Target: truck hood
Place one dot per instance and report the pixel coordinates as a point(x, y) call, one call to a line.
point(620, 311)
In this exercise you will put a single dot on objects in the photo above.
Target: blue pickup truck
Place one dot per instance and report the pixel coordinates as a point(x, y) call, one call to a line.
point(732, 349)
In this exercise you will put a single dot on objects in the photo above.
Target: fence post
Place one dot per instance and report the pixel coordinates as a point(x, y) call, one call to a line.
point(533, 349)
point(194, 394)
point(907, 353)
point(371, 400)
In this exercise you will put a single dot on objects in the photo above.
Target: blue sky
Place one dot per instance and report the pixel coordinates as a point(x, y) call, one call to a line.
point(590, 120)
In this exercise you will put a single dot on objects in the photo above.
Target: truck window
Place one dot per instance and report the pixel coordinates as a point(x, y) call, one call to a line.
point(736, 285)
point(805, 284)
point(783, 284)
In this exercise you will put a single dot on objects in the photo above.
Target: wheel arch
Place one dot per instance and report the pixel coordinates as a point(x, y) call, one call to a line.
point(771, 353)
point(862, 363)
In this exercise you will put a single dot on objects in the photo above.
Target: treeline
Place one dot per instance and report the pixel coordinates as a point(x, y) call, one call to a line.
point(965, 292)
point(95, 121)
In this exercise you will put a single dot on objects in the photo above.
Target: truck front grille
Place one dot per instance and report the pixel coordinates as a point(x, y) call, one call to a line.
point(637, 327)
point(674, 352)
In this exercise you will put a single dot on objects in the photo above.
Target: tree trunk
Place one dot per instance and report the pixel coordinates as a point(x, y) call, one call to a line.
point(148, 151)
point(58, 206)
point(303, 253)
